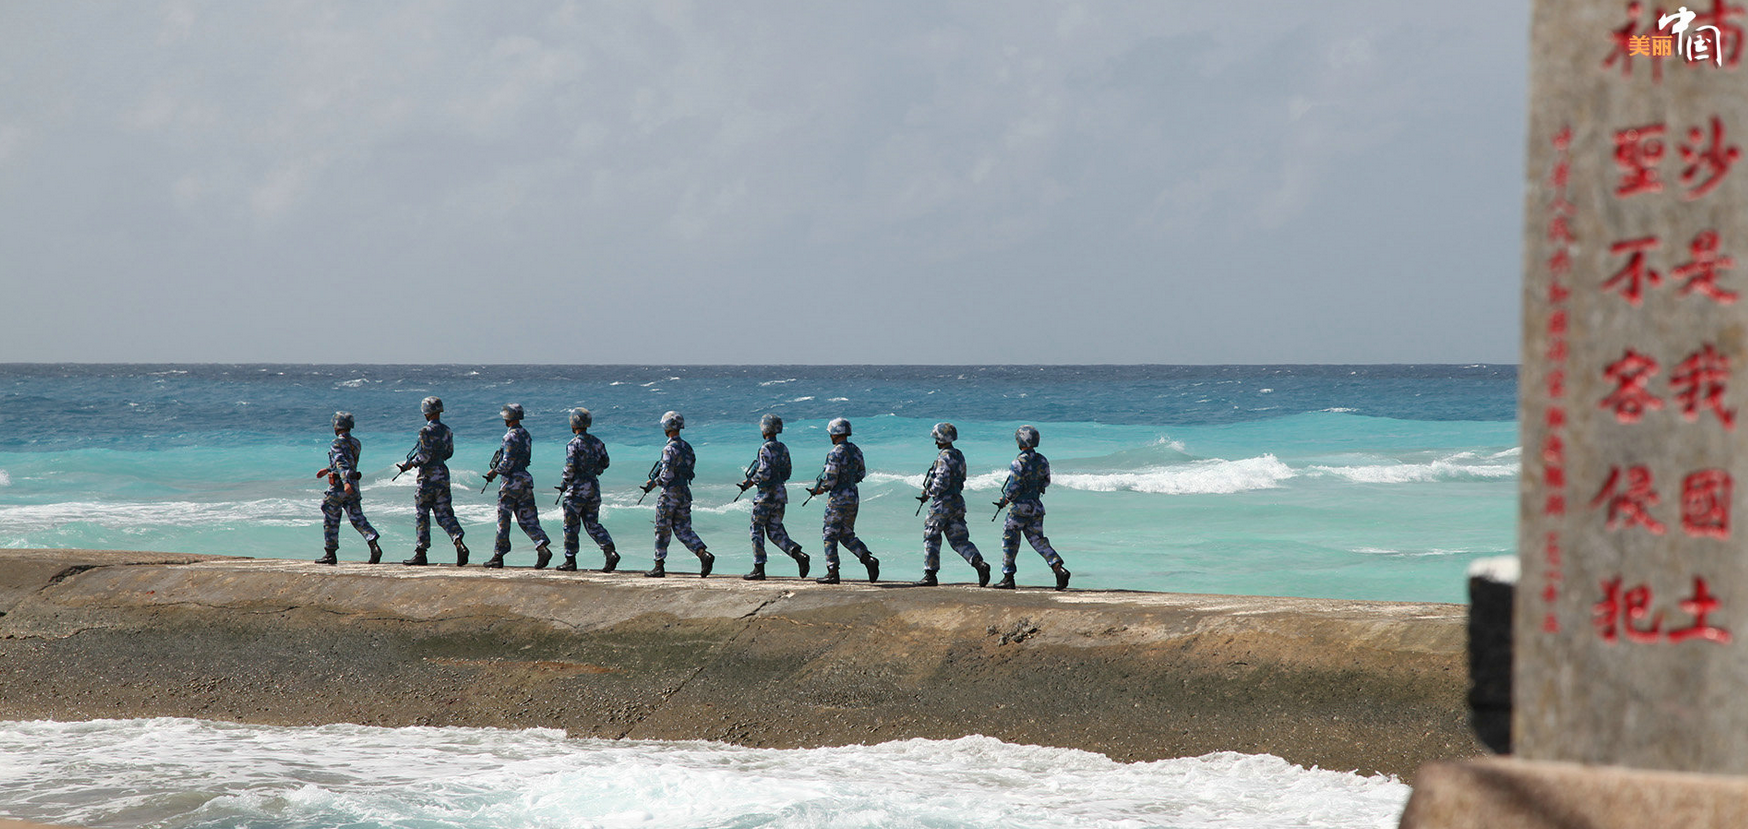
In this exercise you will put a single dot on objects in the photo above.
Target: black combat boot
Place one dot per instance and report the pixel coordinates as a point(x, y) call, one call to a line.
point(830, 577)
point(542, 555)
point(658, 572)
point(328, 558)
point(982, 572)
point(705, 562)
point(612, 559)
point(873, 565)
point(496, 562)
point(460, 553)
point(928, 579)
point(1062, 575)
point(569, 565)
point(758, 573)
point(375, 552)
point(801, 561)
point(1006, 583)
point(418, 559)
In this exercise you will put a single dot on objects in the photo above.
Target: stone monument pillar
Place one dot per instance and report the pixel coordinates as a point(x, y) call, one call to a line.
point(1632, 611)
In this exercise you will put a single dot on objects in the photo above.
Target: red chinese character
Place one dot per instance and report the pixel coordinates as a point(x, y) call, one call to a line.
point(1559, 233)
point(1634, 604)
point(1699, 383)
point(1711, 160)
point(1631, 375)
point(1552, 549)
point(1632, 506)
point(1554, 476)
point(1556, 417)
point(1556, 384)
point(1700, 606)
point(1702, 272)
point(1729, 33)
point(1557, 350)
point(1633, 278)
point(1558, 293)
point(1563, 139)
point(1557, 323)
point(1550, 624)
point(1636, 152)
point(1561, 177)
point(1560, 262)
point(1554, 506)
point(1554, 451)
point(1623, 45)
point(1705, 503)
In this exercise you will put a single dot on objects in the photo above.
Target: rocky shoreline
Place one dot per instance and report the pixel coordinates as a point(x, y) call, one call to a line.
point(1346, 685)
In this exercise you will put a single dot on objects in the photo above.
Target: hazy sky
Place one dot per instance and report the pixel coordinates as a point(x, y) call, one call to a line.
point(871, 181)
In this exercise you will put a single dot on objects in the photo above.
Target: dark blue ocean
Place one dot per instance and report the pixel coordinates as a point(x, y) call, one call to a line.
point(1373, 482)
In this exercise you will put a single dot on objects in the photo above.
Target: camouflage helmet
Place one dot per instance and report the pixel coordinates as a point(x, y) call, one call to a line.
point(838, 426)
point(581, 419)
point(511, 411)
point(343, 420)
point(1026, 437)
point(431, 405)
point(944, 433)
point(673, 421)
point(771, 425)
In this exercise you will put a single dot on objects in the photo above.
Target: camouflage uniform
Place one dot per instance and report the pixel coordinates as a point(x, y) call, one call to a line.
point(946, 485)
point(585, 458)
point(843, 470)
point(770, 473)
point(343, 470)
point(1025, 491)
point(674, 507)
point(436, 445)
point(516, 493)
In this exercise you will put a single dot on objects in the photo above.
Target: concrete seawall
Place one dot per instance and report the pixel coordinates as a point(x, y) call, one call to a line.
point(1372, 686)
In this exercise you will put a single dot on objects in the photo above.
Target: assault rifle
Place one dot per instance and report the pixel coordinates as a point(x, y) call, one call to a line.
point(1004, 500)
point(747, 479)
point(402, 466)
point(927, 476)
point(649, 483)
point(817, 483)
point(496, 457)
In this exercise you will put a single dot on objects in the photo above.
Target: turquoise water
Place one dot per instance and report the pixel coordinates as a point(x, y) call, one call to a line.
point(1372, 482)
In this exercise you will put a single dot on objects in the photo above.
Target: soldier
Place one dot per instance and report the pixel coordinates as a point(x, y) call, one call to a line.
point(436, 445)
point(673, 473)
point(342, 495)
point(770, 472)
point(945, 483)
point(584, 461)
point(516, 493)
point(843, 470)
point(1030, 474)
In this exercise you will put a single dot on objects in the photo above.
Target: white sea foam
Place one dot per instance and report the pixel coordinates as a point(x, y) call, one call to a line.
point(1205, 477)
point(5, 479)
point(281, 512)
point(354, 383)
point(1457, 467)
point(802, 399)
point(777, 382)
point(184, 773)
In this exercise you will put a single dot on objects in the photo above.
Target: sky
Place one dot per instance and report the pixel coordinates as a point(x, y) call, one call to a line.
point(741, 181)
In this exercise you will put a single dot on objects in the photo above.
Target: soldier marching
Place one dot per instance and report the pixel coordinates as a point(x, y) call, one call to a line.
point(580, 497)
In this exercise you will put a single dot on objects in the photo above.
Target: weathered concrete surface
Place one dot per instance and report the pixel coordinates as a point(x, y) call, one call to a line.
point(1500, 793)
point(1372, 686)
